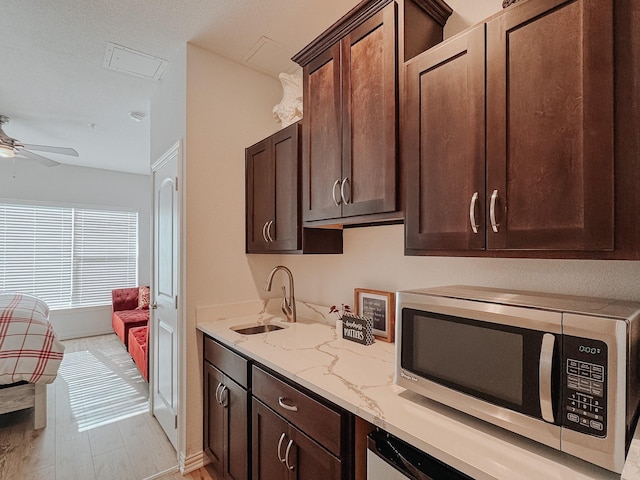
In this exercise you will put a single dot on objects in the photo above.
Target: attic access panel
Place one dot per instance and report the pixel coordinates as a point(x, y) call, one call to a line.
point(127, 60)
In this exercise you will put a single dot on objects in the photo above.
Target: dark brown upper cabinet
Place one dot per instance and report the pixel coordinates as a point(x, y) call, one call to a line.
point(445, 145)
point(350, 127)
point(510, 145)
point(273, 218)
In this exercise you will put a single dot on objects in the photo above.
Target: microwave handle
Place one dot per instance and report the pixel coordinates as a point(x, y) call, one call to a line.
point(546, 364)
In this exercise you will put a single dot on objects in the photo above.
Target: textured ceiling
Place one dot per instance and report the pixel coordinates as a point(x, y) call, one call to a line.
point(53, 84)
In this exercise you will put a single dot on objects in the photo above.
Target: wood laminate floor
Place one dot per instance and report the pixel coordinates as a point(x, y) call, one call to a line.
point(98, 423)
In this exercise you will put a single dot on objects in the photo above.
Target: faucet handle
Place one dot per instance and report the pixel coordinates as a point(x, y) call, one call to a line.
point(286, 307)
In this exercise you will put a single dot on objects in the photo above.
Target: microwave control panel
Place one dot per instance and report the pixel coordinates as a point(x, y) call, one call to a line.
point(584, 399)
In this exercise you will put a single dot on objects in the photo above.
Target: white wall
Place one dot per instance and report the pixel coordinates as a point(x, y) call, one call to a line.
point(67, 184)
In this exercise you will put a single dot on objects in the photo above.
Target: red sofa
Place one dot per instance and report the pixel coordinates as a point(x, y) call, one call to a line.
point(126, 314)
point(138, 342)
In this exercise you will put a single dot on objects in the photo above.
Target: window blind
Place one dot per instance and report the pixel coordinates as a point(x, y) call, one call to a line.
point(69, 257)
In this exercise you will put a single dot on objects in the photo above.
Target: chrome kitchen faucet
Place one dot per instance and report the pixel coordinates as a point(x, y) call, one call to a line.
point(288, 305)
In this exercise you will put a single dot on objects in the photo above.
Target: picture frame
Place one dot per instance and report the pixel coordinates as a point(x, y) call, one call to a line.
point(381, 307)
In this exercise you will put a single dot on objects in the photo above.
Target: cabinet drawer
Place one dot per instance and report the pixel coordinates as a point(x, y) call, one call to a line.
point(312, 417)
point(229, 362)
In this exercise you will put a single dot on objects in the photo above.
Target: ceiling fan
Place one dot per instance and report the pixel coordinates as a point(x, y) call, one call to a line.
point(10, 148)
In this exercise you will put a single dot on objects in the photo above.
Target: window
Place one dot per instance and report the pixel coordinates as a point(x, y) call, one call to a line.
point(69, 257)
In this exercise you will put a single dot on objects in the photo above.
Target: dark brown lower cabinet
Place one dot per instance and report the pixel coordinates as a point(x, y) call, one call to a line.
point(226, 424)
point(262, 426)
point(281, 451)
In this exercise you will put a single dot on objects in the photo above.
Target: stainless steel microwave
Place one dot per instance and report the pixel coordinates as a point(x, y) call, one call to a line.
point(561, 370)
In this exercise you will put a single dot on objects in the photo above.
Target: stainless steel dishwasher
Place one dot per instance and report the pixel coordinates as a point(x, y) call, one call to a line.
point(389, 458)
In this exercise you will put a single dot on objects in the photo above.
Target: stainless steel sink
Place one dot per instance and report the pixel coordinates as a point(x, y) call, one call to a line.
point(258, 328)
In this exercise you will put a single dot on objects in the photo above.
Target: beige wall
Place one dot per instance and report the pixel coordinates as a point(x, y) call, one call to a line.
point(466, 13)
point(228, 109)
point(373, 258)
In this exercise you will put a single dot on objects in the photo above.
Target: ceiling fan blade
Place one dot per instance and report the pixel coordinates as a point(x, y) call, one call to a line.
point(38, 158)
point(46, 148)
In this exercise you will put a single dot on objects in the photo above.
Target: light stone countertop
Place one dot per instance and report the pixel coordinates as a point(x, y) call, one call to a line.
point(360, 379)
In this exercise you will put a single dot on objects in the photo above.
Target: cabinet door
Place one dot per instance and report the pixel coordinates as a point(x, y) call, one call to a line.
point(236, 431)
point(550, 126)
point(213, 417)
point(369, 151)
point(226, 434)
point(280, 451)
point(259, 194)
point(309, 461)
point(268, 449)
point(322, 137)
point(285, 229)
point(444, 146)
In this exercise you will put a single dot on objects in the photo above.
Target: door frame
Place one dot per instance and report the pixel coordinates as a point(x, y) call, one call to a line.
point(178, 148)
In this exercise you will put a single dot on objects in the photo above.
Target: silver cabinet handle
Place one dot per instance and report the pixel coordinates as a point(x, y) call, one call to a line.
point(224, 391)
point(546, 363)
point(337, 201)
point(218, 393)
point(269, 224)
point(286, 456)
point(291, 408)
point(344, 198)
point(264, 232)
point(492, 211)
point(472, 212)
point(280, 446)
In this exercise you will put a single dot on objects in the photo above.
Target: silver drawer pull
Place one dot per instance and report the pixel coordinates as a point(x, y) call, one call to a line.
point(286, 456)
point(492, 211)
point(472, 212)
point(280, 446)
point(291, 408)
point(333, 193)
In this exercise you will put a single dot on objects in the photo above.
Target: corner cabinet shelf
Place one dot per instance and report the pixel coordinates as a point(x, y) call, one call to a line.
point(510, 143)
point(273, 218)
point(350, 165)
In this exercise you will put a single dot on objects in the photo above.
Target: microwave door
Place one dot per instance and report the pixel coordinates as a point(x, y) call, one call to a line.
point(497, 370)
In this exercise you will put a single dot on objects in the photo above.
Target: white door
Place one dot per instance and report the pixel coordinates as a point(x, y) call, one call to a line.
point(165, 316)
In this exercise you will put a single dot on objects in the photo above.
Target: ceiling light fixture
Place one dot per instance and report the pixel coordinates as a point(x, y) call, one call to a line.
point(136, 116)
point(6, 151)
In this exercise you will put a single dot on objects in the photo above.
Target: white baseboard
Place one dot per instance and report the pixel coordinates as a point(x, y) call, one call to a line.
point(84, 333)
point(81, 322)
point(192, 462)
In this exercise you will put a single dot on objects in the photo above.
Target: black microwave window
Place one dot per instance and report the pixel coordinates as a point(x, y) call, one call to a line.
point(484, 360)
